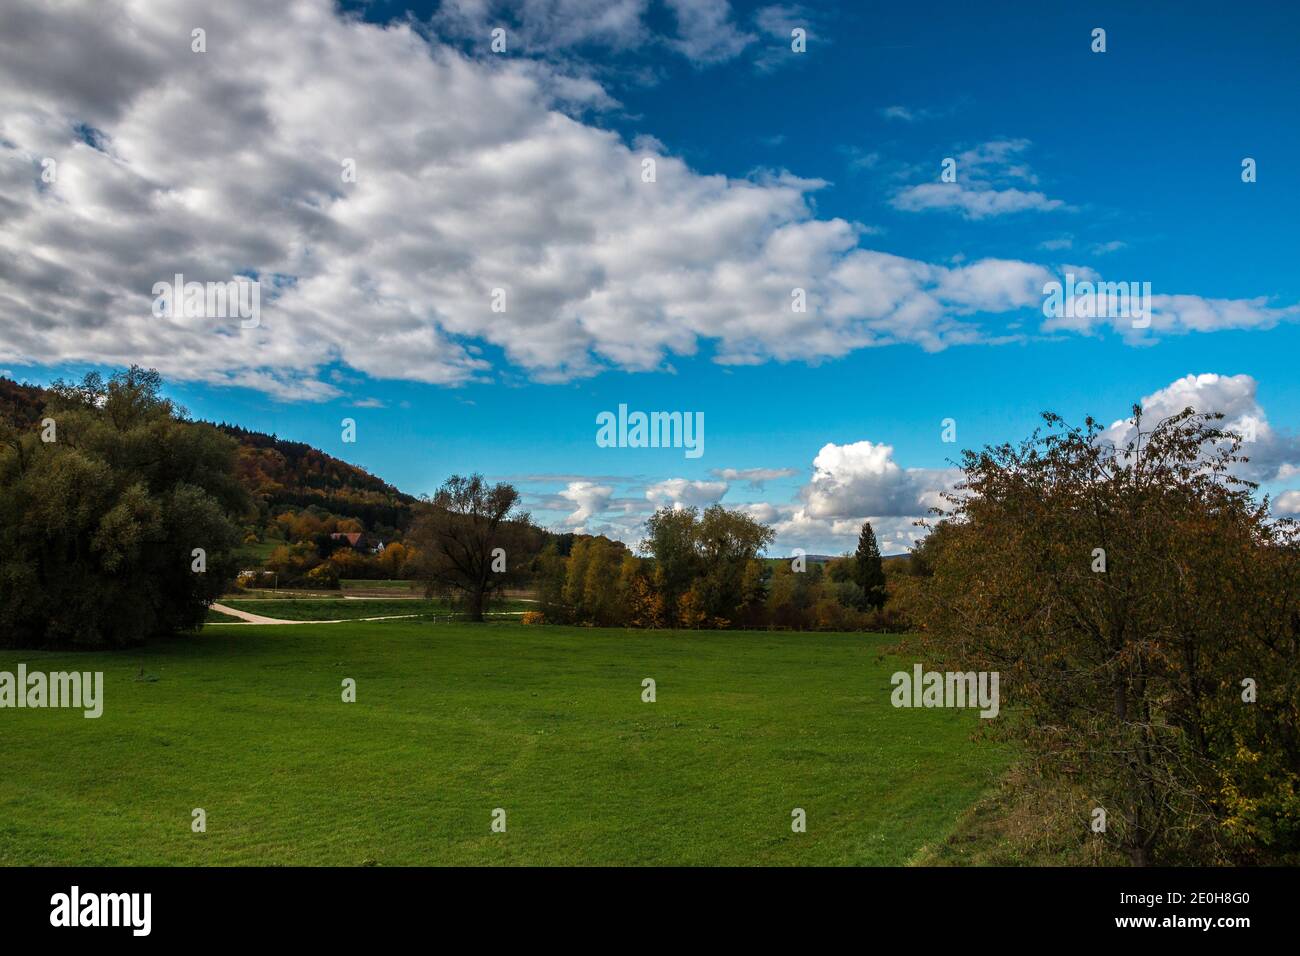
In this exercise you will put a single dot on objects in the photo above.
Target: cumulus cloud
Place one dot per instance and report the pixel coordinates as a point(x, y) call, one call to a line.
point(862, 478)
point(588, 499)
point(852, 483)
point(862, 481)
point(477, 183)
point(1274, 454)
point(469, 179)
point(684, 493)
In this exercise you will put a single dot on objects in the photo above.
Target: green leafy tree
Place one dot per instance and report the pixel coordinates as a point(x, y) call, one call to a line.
point(705, 555)
point(119, 517)
point(670, 543)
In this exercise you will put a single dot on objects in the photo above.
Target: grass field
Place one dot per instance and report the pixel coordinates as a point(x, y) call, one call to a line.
point(377, 584)
point(454, 720)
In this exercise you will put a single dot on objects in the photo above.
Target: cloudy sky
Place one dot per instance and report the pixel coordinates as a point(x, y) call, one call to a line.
point(459, 248)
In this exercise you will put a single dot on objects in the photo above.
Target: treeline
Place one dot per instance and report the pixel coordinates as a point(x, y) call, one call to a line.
point(703, 570)
point(695, 569)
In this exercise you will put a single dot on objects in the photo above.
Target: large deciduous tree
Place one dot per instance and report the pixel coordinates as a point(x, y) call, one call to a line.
point(472, 541)
point(700, 560)
point(116, 517)
point(1144, 613)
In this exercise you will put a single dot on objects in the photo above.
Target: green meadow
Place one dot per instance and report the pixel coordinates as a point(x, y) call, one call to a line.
point(455, 720)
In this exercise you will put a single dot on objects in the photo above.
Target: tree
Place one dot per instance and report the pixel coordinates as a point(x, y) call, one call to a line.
point(670, 541)
point(593, 587)
point(704, 553)
point(868, 573)
point(472, 541)
point(122, 527)
point(1126, 590)
point(726, 541)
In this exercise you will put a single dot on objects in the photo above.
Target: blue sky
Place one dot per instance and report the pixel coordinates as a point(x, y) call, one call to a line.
point(1125, 165)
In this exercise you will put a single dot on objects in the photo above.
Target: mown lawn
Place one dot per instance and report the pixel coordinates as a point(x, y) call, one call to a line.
point(454, 720)
point(377, 584)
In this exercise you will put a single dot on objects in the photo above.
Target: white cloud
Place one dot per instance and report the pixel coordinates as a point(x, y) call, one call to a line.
point(972, 202)
point(537, 26)
point(861, 478)
point(863, 481)
point(983, 187)
point(684, 493)
point(1273, 455)
point(756, 477)
point(588, 498)
point(473, 174)
point(706, 32)
point(908, 114)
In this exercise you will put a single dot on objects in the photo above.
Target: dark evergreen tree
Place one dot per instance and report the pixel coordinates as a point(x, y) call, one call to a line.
point(868, 572)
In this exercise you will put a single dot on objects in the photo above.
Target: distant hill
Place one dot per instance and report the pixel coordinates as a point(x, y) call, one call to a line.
point(294, 474)
point(278, 473)
point(20, 405)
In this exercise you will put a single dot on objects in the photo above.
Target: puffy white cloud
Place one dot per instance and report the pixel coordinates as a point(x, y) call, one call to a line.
point(473, 174)
point(850, 484)
point(1287, 503)
point(684, 493)
point(1273, 453)
point(588, 499)
point(862, 479)
point(468, 179)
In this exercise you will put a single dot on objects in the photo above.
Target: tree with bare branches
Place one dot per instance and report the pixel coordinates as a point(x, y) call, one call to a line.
point(472, 541)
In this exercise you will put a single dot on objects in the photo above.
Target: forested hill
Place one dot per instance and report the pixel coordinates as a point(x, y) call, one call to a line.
point(20, 405)
point(279, 474)
point(293, 474)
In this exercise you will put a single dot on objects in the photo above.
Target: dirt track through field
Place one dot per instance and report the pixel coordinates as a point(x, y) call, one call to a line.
point(248, 618)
